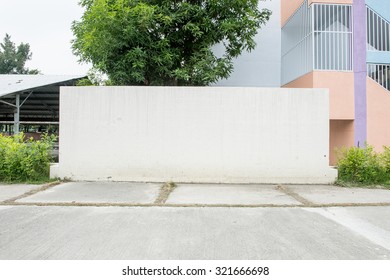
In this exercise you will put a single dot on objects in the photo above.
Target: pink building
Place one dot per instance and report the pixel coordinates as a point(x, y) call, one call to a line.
point(343, 45)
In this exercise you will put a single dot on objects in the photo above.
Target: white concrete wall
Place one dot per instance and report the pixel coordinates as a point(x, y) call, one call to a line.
point(262, 66)
point(210, 134)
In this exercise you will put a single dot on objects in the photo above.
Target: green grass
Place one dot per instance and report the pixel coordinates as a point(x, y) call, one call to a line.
point(40, 181)
point(346, 184)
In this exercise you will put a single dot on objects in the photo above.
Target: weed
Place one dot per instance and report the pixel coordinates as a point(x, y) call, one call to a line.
point(24, 160)
point(165, 190)
point(363, 166)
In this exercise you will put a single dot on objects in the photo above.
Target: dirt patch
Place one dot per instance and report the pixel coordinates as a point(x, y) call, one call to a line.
point(294, 195)
point(165, 191)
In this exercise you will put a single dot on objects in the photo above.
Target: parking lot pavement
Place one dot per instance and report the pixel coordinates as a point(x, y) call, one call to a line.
point(327, 194)
point(9, 191)
point(131, 193)
point(106, 220)
point(97, 192)
point(207, 194)
point(220, 233)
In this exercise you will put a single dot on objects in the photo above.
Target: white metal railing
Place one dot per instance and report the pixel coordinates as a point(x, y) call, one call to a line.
point(378, 32)
point(378, 39)
point(380, 73)
point(332, 37)
point(297, 44)
point(317, 37)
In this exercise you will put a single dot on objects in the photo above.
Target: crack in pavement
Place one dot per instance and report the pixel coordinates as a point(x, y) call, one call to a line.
point(286, 190)
point(32, 192)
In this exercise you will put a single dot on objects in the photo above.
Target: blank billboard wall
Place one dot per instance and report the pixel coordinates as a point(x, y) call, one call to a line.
point(189, 134)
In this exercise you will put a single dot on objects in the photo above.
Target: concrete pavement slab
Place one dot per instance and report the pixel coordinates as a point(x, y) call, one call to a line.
point(97, 192)
point(229, 194)
point(30, 232)
point(371, 215)
point(328, 194)
point(13, 190)
point(361, 220)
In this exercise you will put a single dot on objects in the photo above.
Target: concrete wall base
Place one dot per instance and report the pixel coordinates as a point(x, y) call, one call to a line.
point(325, 176)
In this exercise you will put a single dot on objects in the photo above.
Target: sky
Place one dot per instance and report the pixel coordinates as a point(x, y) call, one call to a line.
point(45, 25)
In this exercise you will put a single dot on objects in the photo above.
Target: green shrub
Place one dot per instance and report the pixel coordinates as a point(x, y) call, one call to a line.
point(25, 160)
point(363, 165)
point(386, 159)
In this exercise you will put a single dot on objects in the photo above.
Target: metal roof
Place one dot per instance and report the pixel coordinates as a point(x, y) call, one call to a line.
point(19, 83)
point(39, 96)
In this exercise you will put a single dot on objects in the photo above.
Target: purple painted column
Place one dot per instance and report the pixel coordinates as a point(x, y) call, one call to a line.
point(360, 70)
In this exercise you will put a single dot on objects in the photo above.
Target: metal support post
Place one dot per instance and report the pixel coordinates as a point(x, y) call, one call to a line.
point(17, 115)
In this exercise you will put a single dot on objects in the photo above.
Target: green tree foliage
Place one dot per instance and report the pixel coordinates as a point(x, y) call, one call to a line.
point(94, 78)
point(166, 42)
point(13, 59)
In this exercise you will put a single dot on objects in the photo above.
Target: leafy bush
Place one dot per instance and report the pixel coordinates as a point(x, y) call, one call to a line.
point(364, 165)
point(386, 159)
point(25, 160)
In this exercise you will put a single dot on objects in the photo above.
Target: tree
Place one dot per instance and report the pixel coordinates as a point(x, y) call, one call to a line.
point(94, 78)
point(13, 59)
point(165, 42)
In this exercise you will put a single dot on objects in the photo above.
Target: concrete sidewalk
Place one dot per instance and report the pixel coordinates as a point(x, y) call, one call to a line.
point(88, 220)
point(144, 194)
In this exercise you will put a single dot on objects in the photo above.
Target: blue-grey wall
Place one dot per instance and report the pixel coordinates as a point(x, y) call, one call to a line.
point(382, 7)
point(261, 67)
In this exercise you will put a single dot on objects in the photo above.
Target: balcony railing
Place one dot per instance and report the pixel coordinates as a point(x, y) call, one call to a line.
point(380, 73)
point(378, 32)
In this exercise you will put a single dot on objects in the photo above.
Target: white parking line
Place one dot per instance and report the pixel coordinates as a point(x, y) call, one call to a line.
point(344, 217)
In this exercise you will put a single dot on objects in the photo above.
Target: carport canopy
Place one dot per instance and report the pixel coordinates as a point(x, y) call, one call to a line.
point(32, 99)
